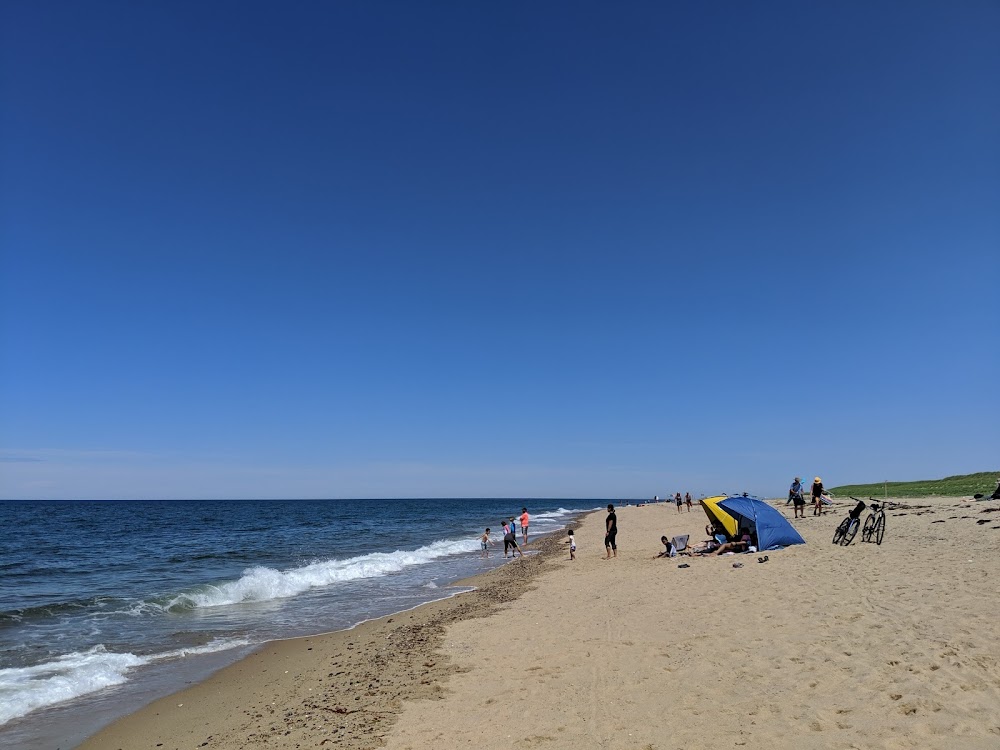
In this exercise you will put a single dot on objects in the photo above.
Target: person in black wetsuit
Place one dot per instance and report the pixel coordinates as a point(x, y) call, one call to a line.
point(610, 531)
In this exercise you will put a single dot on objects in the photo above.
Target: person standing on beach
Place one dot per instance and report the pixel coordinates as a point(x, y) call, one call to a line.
point(687, 500)
point(795, 495)
point(572, 545)
point(486, 542)
point(677, 499)
point(795, 489)
point(817, 497)
point(610, 531)
point(524, 525)
point(510, 540)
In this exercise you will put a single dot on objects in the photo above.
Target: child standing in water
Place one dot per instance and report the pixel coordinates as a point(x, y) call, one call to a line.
point(572, 545)
point(486, 541)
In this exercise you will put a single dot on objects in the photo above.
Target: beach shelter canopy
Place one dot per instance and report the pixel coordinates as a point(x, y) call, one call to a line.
point(718, 516)
point(767, 525)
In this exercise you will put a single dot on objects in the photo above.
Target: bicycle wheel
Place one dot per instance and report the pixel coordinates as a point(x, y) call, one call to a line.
point(866, 531)
point(852, 529)
point(838, 535)
point(880, 529)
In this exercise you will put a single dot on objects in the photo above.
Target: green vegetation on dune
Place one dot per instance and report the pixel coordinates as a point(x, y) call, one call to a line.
point(964, 484)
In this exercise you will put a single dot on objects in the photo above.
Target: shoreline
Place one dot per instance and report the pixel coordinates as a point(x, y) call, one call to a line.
point(365, 672)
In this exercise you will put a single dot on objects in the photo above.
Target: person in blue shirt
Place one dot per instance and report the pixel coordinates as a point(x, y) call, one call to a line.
point(795, 496)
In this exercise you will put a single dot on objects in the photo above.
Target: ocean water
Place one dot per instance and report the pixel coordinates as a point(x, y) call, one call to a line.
point(106, 605)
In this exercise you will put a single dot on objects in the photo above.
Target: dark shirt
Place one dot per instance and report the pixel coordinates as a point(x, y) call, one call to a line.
point(817, 490)
point(611, 523)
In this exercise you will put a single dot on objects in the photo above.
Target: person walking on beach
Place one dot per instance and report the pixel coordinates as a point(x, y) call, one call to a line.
point(677, 499)
point(510, 540)
point(486, 541)
point(687, 500)
point(795, 488)
point(817, 497)
point(572, 545)
point(795, 496)
point(524, 525)
point(610, 531)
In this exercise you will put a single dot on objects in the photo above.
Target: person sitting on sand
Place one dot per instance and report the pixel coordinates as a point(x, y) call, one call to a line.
point(669, 548)
point(742, 545)
point(714, 529)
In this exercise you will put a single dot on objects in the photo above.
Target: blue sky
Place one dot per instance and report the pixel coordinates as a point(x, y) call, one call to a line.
point(523, 249)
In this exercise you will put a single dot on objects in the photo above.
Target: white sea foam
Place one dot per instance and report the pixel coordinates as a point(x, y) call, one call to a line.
point(261, 584)
point(26, 689)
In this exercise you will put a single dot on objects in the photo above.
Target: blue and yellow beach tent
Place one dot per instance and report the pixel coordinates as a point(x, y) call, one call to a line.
point(767, 525)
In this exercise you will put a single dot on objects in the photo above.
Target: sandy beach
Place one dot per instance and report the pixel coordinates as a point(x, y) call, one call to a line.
point(891, 646)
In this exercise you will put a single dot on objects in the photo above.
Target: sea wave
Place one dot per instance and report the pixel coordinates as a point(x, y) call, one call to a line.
point(26, 689)
point(261, 584)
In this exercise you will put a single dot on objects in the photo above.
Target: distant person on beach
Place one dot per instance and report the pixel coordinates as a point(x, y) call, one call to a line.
point(610, 532)
point(524, 525)
point(817, 497)
point(795, 496)
point(506, 536)
point(486, 542)
point(510, 540)
point(677, 499)
point(572, 545)
point(687, 500)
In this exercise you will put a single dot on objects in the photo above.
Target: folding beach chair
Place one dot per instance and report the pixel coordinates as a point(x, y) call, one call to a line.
point(680, 543)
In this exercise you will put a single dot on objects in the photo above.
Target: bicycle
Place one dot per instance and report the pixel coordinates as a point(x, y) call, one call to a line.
point(875, 523)
point(848, 528)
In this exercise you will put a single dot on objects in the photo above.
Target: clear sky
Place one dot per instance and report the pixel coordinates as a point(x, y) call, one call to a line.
point(378, 249)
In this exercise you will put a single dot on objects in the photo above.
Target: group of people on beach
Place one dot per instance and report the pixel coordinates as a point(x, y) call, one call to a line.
point(675, 498)
point(796, 497)
point(510, 544)
point(717, 544)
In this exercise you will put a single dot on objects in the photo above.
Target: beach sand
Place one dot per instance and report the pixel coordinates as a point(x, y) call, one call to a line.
point(891, 646)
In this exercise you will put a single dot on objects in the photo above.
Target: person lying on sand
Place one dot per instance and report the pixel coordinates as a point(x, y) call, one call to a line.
point(702, 548)
point(739, 546)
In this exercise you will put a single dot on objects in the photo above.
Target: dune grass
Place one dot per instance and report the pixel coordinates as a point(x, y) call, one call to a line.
point(956, 486)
